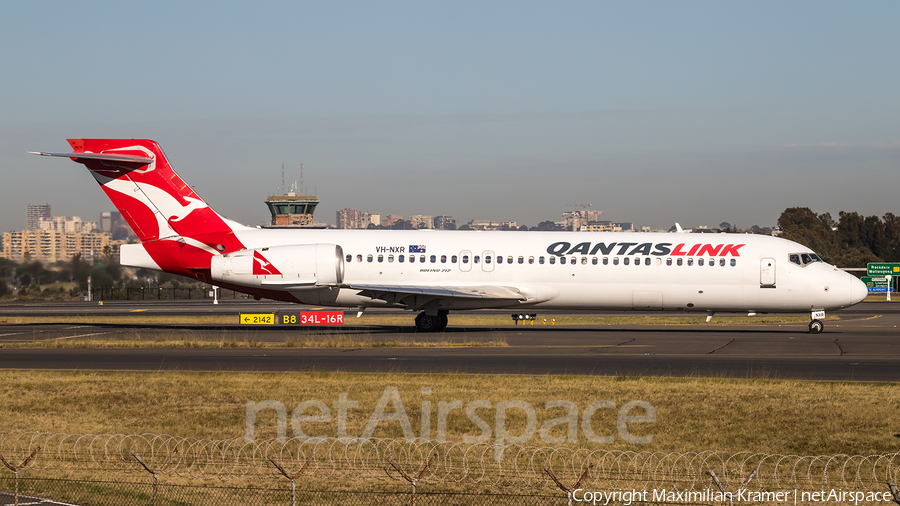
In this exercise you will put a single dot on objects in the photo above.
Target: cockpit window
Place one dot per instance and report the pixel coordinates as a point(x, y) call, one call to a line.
point(803, 259)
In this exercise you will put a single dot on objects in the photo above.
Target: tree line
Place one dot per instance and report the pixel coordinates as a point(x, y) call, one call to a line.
point(851, 241)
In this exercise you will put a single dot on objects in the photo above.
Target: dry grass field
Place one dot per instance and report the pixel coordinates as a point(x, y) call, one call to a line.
point(759, 415)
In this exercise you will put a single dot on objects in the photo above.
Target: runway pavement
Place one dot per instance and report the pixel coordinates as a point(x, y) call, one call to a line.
point(864, 345)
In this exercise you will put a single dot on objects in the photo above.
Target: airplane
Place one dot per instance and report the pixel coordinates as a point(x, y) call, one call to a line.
point(435, 272)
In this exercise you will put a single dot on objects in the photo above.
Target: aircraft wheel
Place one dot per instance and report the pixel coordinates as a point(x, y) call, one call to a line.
point(442, 316)
point(427, 323)
point(816, 327)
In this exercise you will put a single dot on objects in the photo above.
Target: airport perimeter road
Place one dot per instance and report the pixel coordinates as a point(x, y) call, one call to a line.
point(863, 346)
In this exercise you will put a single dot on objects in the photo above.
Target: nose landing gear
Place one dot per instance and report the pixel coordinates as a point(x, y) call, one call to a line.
point(816, 327)
point(432, 323)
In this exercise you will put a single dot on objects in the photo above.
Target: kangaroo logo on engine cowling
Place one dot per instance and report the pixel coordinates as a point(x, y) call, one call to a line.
point(646, 248)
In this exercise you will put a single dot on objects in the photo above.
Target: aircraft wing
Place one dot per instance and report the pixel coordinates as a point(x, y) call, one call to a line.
point(379, 291)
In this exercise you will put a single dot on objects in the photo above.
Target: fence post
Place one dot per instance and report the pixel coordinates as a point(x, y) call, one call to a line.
point(292, 477)
point(574, 487)
point(894, 491)
point(413, 480)
point(155, 472)
point(16, 469)
point(722, 487)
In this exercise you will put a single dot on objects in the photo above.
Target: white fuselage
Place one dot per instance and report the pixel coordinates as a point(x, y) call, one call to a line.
point(736, 272)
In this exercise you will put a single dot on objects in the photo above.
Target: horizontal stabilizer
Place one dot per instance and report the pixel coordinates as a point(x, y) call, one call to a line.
point(98, 156)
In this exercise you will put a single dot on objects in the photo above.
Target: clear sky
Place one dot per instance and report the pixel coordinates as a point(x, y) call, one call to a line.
point(653, 112)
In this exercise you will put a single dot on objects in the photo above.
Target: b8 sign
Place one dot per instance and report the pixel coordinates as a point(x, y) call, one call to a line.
point(312, 318)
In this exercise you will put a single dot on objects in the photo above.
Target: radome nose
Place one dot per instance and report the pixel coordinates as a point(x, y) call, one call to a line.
point(858, 290)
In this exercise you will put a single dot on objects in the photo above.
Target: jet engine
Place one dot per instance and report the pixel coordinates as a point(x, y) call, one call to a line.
point(294, 266)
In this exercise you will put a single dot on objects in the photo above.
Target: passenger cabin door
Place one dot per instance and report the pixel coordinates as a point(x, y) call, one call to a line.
point(767, 273)
point(487, 261)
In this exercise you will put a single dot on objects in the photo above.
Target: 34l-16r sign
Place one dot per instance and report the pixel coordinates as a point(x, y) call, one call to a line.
point(311, 317)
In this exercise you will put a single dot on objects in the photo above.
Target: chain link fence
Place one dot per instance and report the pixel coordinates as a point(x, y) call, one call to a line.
point(162, 469)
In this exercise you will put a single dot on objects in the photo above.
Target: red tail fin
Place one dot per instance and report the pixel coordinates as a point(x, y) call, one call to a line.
point(177, 228)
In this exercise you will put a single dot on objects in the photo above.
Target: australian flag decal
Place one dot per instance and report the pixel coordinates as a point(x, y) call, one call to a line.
point(416, 249)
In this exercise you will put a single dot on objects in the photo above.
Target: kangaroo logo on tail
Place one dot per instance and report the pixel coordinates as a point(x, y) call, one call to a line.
point(176, 227)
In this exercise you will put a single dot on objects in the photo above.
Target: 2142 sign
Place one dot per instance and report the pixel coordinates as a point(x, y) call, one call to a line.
point(311, 318)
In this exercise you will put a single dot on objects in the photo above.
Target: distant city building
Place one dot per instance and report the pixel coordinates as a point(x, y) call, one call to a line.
point(491, 225)
point(63, 224)
point(389, 220)
point(444, 222)
point(574, 220)
point(106, 221)
point(421, 221)
point(347, 219)
point(352, 219)
point(50, 246)
point(33, 215)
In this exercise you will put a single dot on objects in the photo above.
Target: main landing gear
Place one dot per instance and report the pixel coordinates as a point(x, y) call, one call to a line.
point(431, 323)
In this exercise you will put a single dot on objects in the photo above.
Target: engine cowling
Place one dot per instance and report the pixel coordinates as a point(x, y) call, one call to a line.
point(294, 266)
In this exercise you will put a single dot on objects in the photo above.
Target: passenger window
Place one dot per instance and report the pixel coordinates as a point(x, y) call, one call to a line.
point(349, 258)
point(541, 260)
point(616, 261)
point(509, 260)
point(733, 262)
point(412, 259)
point(625, 261)
point(359, 258)
point(721, 262)
point(433, 258)
point(583, 260)
point(795, 259)
point(679, 261)
point(605, 260)
point(390, 258)
point(572, 261)
point(401, 258)
point(443, 259)
point(669, 261)
point(380, 258)
point(465, 259)
point(700, 262)
point(422, 258)
point(594, 260)
point(453, 259)
point(487, 259)
point(712, 262)
point(530, 260)
point(552, 260)
point(691, 262)
point(647, 261)
point(476, 259)
point(369, 258)
point(521, 260)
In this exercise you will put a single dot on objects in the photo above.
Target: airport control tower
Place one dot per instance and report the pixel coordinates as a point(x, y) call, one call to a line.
point(292, 210)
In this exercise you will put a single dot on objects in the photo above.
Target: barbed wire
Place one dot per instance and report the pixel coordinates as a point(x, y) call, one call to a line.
point(451, 463)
